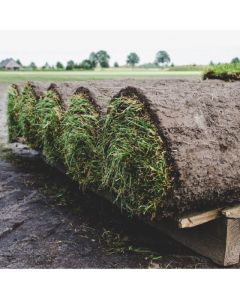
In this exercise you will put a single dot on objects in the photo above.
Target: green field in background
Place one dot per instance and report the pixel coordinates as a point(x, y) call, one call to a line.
point(14, 76)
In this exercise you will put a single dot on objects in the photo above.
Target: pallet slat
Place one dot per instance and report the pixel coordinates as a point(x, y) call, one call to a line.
point(198, 219)
point(232, 212)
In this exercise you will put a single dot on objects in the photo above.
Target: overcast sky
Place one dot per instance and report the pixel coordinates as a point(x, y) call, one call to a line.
point(184, 47)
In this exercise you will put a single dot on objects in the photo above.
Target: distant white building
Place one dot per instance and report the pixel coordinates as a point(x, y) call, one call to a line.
point(9, 64)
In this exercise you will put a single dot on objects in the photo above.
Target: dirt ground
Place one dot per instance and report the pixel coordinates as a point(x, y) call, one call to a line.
point(46, 222)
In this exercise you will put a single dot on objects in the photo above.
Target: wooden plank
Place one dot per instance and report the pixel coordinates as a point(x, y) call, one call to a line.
point(232, 242)
point(198, 219)
point(232, 212)
point(218, 240)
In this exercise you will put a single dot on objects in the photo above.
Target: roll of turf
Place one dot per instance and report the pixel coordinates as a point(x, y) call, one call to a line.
point(65, 125)
point(160, 147)
point(22, 121)
point(172, 147)
point(13, 111)
point(78, 131)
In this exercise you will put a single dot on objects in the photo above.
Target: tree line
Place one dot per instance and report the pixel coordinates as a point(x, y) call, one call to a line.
point(101, 59)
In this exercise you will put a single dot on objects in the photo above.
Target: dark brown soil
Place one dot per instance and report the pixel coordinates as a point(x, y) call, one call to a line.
point(47, 223)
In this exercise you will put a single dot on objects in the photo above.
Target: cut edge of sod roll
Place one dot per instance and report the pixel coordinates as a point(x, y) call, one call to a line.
point(49, 112)
point(64, 123)
point(70, 127)
point(22, 119)
point(13, 110)
point(78, 141)
point(137, 168)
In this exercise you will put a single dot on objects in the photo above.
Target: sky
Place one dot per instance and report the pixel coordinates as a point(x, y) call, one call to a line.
point(184, 47)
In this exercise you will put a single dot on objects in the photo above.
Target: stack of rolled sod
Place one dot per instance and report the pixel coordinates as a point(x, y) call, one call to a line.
point(161, 148)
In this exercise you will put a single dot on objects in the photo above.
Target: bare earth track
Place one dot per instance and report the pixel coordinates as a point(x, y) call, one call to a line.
point(45, 222)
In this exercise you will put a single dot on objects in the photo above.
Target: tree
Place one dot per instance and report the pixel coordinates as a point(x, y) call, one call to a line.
point(103, 58)
point(162, 57)
point(19, 62)
point(93, 58)
point(235, 60)
point(33, 66)
point(86, 64)
point(116, 65)
point(70, 65)
point(77, 66)
point(132, 59)
point(211, 63)
point(46, 66)
point(59, 65)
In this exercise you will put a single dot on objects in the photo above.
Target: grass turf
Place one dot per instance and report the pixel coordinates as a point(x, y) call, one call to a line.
point(49, 113)
point(78, 141)
point(28, 120)
point(134, 161)
point(69, 137)
point(227, 72)
point(22, 121)
point(111, 73)
point(13, 111)
point(121, 152)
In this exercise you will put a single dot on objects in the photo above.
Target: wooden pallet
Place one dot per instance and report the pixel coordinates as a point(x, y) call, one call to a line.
point(214, 234)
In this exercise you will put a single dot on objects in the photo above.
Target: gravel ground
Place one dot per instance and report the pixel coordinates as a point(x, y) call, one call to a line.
point(46, 222)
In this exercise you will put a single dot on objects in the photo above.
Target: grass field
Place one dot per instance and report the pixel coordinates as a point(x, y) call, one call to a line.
point(16, 76)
